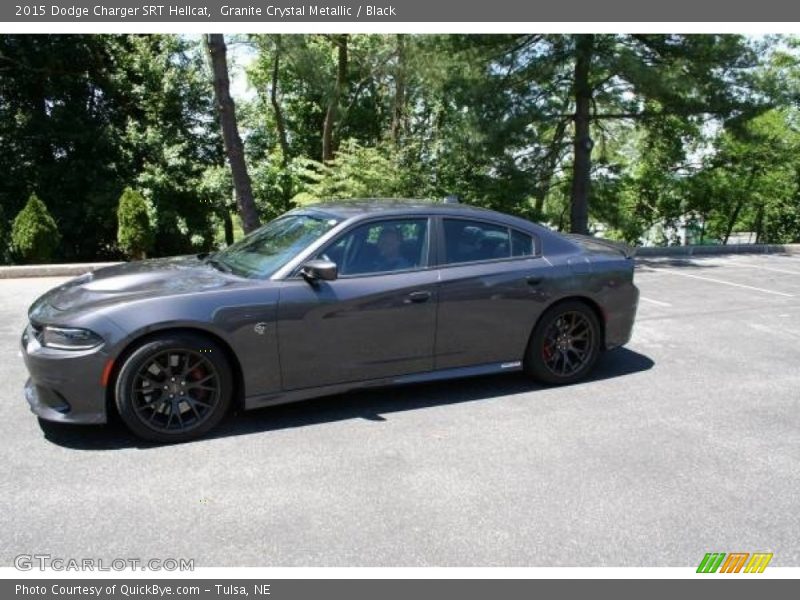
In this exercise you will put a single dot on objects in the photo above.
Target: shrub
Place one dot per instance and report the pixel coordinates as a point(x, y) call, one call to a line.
point(134, 233)
point(34, 234)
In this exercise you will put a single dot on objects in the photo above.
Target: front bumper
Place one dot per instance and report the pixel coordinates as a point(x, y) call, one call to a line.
point(64, 385)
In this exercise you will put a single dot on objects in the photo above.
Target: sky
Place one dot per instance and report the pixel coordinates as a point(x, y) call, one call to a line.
point(240, 56)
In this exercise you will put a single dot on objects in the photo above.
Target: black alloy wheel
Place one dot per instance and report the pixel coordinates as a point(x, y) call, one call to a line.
point(565, 343)
point(174, 388)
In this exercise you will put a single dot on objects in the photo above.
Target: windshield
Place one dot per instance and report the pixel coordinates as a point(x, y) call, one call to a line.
point(267, 249)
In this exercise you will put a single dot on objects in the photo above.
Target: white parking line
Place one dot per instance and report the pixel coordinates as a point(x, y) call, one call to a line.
point(651, 301)
point(731, 283)
point(755, 266)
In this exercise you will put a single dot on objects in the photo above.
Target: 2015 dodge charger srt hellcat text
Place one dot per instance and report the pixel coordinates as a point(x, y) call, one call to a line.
point(324, 299)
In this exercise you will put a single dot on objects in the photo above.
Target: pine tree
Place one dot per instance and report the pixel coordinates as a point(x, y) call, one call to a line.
point(34, 235)
point(134, 233)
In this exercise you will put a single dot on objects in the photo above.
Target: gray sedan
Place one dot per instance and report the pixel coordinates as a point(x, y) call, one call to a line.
point(322, 300)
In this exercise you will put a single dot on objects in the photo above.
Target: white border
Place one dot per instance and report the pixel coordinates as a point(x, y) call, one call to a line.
point(267, 573)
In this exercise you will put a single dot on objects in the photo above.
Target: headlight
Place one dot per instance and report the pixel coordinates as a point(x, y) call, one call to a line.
point(65, 338)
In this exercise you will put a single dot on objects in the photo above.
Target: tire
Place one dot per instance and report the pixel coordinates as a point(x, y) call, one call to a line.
point(174, 388)
point(565, 344)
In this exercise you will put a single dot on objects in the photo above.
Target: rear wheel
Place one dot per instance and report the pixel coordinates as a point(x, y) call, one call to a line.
point(174, 388)
point(565, 344)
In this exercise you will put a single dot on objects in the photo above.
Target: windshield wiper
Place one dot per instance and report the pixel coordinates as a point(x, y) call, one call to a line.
point(218, 264)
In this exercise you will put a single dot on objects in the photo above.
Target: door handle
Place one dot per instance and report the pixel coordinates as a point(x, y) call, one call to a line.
point(533, 280)
point(417, 297)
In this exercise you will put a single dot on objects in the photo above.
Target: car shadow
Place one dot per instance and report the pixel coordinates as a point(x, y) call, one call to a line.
point(373, 405)
point(686, 262)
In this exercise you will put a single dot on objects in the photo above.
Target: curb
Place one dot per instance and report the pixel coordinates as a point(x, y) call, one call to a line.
point(656, 251)
point(65, 270)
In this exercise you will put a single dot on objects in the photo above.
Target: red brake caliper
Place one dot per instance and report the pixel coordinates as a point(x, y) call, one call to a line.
point(547, 350)
point(197, 374)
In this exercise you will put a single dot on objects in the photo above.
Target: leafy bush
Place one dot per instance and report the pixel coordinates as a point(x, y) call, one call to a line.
point(134, 233)
point(34, 234)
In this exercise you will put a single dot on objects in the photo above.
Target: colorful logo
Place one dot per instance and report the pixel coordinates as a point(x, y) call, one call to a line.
point(734, 562)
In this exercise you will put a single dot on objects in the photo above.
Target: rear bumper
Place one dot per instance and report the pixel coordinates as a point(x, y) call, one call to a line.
point(64, 386)
point(619, 322)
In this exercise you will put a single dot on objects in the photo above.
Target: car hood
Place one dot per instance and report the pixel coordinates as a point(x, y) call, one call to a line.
point(133, 280)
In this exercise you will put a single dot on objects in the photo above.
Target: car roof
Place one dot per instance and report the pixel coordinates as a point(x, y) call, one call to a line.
point(348, 209)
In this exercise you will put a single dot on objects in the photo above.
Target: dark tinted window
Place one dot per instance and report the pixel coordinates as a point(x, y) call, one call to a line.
point(521, 244)
point(268, 248)
point(468, 241)
point(381, 246)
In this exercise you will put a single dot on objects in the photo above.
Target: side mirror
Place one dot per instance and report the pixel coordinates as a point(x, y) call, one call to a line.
point(317, 269)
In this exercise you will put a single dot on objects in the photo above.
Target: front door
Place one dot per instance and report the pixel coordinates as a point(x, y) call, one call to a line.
point(377, 320)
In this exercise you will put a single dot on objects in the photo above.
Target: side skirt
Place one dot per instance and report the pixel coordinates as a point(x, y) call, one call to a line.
point(339, 388)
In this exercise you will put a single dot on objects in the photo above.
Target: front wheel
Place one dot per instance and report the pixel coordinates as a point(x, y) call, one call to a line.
point(565, 344)
point(174, 388)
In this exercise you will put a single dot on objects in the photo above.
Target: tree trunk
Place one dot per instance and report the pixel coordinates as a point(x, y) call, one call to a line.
point(550, 164)
point(398, 115)
point(702, 229)
point(280, 121)
point(739, 204)
point(328, 143)
point(760, 223)
point(228, 224)
point(732, 221)
point(215, 44)
point(582, 162)
point(280, 125)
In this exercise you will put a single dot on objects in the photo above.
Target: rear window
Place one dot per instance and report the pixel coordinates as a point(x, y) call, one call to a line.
point(521, 244)
point(471, 241)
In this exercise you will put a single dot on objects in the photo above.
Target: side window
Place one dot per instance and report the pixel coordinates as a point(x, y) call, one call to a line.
point(381, 246)
point(521, 244)
point(468, 241)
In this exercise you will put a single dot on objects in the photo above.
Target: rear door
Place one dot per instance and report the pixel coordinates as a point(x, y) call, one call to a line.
point(376, 320)
point(491, 292)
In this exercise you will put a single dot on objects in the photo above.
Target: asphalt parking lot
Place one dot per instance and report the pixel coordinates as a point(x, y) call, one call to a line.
point(685, 442)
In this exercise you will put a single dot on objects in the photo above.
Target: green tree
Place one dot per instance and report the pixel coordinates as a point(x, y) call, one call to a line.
point(34, 234)
point(314, 92)
point(541, 103)
point(234, 148)
point(355, 172)
point(621, 135)
point(752, 180)
point(84, 116)
point(60, 119)
point(134, 232)
point(172, 138)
